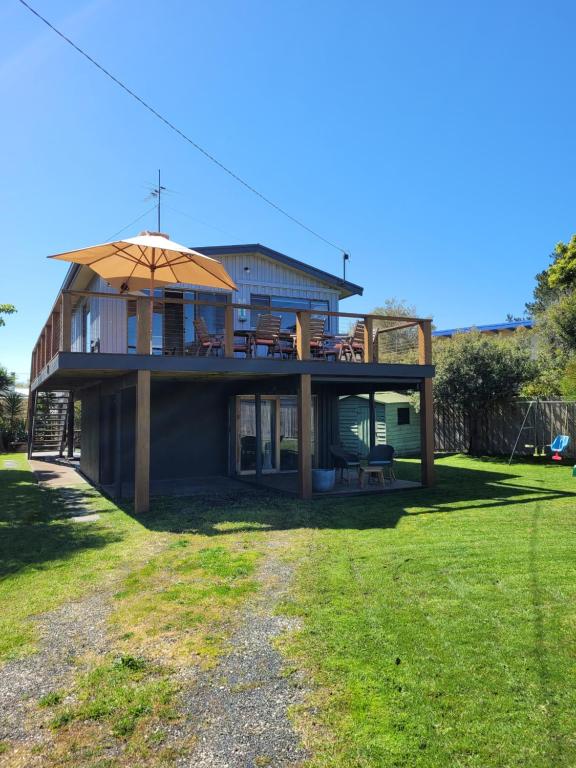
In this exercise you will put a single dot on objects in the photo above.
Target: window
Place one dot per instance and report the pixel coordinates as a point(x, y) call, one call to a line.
point(173, 322)
point(403, 416)
point(86, 328)
point(285, 302)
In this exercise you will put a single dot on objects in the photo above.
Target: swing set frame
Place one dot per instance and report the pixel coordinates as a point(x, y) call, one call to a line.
point(535, 407)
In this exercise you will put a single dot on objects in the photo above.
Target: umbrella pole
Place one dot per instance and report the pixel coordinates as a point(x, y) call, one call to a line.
point(151, 311)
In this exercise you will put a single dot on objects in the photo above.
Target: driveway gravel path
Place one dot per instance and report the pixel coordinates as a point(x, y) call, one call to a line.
point(68, 633)
point(239, 710)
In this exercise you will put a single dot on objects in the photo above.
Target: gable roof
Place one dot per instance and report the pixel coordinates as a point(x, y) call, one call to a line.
point(345, 287)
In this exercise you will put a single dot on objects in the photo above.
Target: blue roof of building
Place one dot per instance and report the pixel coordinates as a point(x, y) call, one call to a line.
point(495, 328)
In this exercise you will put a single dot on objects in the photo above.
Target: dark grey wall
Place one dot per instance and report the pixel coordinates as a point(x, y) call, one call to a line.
point(189, 430)
point(90, 421)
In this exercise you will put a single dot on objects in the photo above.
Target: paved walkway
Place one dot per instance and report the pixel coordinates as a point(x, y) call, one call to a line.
point(71, 486)
point(52, 474)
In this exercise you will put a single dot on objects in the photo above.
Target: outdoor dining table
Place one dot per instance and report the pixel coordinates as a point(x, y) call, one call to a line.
point(284, 335)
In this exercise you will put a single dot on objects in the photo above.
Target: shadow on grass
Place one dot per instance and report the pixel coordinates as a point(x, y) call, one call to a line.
point(458, 489)
point(33, 528)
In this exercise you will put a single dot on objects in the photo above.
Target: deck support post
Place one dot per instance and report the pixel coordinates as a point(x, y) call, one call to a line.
point(258, 424)
point(305, 435)
point(143, 325)
point(372, 417)
point(142, 448)
point(425, 342)
point(427, 432)
point(228, 331)
point(302, 335)
point(368, 340)
point(118, 445)
point(70, 427)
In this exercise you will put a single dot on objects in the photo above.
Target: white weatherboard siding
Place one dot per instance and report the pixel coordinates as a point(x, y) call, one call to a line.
point(108, 320)
point(268, 277)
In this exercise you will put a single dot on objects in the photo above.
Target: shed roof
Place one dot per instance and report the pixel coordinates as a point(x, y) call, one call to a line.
point(391, 398)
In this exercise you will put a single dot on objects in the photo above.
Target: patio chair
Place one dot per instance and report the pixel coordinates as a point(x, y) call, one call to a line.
point(357, 341)
point(383, 456)
point(267, 333)
point(207, 342)
point(317, 335)
point(345, 460)
point(349, 347)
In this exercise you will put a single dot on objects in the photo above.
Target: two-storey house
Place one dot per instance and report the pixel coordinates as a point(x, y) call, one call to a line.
point(198, 396)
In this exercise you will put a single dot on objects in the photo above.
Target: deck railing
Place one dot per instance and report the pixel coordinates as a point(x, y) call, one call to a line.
point(379, 338)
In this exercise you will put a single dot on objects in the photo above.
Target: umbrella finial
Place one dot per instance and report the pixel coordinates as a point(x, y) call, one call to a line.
point(155, 234)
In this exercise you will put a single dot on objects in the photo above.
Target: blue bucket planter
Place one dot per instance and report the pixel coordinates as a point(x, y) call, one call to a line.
point(323, 480)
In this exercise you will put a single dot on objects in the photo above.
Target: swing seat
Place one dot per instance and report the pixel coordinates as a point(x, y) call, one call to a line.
point(559, 444)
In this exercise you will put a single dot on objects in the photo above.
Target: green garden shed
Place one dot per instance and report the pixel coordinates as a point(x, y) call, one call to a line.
point(397, 423)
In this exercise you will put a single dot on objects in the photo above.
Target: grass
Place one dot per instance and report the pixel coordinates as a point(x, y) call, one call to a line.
point(45, 559)
point(442, 634)
point(437, 624)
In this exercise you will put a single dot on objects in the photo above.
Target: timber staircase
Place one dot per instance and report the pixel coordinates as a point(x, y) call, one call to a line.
point(49, 421)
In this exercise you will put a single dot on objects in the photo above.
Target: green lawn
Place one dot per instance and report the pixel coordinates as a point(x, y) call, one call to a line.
point(437, 624)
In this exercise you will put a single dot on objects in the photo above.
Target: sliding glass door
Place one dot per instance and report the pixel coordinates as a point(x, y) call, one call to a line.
point(279, 429)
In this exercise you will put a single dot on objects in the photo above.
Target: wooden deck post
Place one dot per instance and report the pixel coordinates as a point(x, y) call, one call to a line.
point(303, 335)
point(372, 416)
point(66, 323)
point(425, 342)
point(229, 331)
point(427, 432)
point(368, 340)
point(142, 448)
point(143, 325)
point(305, 435)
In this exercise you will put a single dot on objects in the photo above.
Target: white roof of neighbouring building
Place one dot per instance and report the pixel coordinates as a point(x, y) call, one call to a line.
point(387, 397)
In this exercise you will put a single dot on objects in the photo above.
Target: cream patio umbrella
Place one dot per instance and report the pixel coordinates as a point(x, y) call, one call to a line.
point(148, 260)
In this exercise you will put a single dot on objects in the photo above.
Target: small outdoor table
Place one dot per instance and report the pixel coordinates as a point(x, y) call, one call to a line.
point(371, 471)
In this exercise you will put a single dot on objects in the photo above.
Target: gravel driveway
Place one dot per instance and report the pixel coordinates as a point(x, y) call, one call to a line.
point(239, 710)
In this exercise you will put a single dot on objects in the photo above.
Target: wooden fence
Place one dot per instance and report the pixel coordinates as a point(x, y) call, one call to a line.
point(501, 424)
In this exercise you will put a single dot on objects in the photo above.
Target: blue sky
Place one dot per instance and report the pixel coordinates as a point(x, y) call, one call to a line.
point(434, 141)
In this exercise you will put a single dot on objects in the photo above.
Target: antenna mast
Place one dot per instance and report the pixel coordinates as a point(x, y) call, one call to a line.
point(157, 193)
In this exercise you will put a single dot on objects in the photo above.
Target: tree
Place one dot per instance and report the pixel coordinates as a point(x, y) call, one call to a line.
point(474, 371)
point(562, 272)
point(400, 345)
point(568, 381)
point(6, 309)
point(6, 381)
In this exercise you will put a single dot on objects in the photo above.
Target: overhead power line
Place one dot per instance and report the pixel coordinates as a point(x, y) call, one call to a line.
point(108, 239)
point(180, 133)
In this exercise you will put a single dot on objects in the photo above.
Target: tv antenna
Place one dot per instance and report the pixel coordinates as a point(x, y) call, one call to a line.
point(156, 194)
point(345, 258)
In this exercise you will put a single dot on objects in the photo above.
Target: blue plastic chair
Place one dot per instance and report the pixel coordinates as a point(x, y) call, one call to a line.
point(559, 444)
